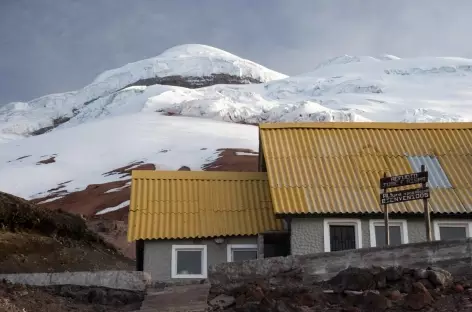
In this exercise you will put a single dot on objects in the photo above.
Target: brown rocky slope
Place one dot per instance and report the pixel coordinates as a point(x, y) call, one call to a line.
point(354, 289)
point(35, 239)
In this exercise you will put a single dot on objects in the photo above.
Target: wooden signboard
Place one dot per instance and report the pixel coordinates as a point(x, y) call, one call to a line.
point(406, 179)
point(403, 196)
point(422, 193)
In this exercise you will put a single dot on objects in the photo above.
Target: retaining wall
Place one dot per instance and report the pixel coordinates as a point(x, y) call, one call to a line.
point(126, 280)
point(454, 256)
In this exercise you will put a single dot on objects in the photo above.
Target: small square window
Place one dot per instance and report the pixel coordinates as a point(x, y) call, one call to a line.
point(395, 235)
point(398, 232)
point(241, 252)
point(451, 229)
point(452, 232)
point(189, 261)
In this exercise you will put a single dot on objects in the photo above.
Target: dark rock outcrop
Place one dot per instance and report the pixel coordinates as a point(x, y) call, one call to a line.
point(194, 82)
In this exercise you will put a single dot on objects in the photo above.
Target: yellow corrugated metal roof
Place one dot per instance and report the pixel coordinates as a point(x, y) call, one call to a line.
point(197, 204)
point(336, 167)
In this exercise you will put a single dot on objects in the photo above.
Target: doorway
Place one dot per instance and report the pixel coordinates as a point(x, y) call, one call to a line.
point(276, 244)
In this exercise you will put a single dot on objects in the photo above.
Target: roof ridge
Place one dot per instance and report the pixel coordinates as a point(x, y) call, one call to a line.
point(366, 125)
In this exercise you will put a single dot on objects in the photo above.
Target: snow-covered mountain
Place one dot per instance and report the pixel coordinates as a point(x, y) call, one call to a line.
point(190, 66)
point(132, 115)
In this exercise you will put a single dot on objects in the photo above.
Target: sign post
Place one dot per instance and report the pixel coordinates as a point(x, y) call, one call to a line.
point(423, 193)
point(385, 209)
point(427, 218)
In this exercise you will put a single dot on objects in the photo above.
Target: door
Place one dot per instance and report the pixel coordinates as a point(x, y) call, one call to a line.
point(342, 237)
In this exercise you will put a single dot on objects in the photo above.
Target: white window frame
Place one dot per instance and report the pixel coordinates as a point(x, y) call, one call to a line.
point(230, 247)
point(451, 223)
point(342, 221)
point(175, 250)
point(395, 222)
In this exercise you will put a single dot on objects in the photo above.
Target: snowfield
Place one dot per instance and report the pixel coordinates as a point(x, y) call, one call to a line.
point(84, 154)
point(115, 121)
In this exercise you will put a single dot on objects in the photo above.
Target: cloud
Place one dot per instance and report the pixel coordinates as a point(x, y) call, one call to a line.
point(49, 46)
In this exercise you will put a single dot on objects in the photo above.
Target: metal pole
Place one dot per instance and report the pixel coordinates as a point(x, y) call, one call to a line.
point(385, 209)
point(427, 219)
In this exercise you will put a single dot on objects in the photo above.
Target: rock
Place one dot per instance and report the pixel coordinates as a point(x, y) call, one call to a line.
point(222, 301)
point(353, 279)
point(317, 294)
point(256, 293)
point(268, 305)
point(420, 274)
point(459, 288)
point(405, 285)
point(354, 292)
point(395, 295)
point(427, 283)
point(240, 300)
point(440, 277)
point(304, 309)
point(282, 306)
point(351, 309)
point(418, 298)
point(249, 307)
point(373, 301)
point(305, 299)
point(393, 274)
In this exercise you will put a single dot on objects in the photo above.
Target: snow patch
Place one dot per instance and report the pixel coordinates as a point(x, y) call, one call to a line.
point(50, 200)
point(246, 154)
point(110, 209)
point(117, 189)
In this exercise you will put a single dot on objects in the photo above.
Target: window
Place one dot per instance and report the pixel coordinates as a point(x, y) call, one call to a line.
point(451, 229)
point(241, 252)
point(397, 228)
point(342, 234)
point(189, 261)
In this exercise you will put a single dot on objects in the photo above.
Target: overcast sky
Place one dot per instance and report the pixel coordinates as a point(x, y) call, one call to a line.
point(49, 46)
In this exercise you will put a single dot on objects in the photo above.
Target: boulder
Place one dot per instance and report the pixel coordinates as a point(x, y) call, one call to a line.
point(395, 295)
point(372, 301)
point(459, 288)
point(353, 279)
point(427, 283)
point(222, 301)
point(418, 298)
point(440, 277)
point(421, 274)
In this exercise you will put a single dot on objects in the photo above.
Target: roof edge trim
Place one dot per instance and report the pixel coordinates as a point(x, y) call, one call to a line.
point(198, 175)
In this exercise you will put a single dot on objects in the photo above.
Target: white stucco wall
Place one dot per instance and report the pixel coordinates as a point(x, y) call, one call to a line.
point(307, 234)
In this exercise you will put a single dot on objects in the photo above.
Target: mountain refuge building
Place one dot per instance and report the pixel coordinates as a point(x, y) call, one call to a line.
point(317, 190)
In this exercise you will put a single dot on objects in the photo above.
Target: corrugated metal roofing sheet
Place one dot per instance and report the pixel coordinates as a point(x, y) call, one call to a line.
point(336, 167)
point(191, 204)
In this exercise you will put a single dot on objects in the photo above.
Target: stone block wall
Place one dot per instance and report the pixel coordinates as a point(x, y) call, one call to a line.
point(454, 256)
point(124, 280)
